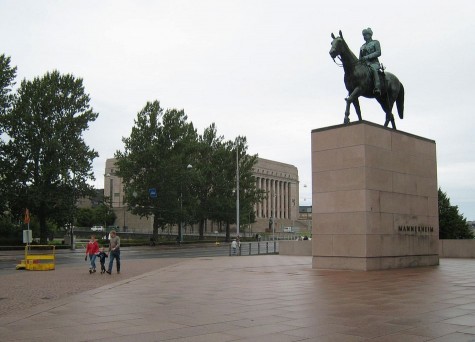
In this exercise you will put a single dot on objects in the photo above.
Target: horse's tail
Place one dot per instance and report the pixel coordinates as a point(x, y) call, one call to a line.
point(400, 102)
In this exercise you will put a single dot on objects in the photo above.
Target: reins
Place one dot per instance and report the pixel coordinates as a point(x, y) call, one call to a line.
point(339, 56)
point(340, 65)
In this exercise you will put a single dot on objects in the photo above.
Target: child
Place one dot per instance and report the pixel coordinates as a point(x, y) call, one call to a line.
point(102, 258)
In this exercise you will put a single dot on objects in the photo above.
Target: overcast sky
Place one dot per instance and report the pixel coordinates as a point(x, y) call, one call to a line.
point(257, 68)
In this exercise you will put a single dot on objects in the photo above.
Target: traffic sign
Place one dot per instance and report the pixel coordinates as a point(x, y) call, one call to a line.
point(152, 192)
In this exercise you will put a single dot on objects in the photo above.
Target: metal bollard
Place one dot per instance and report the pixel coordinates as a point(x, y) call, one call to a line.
point(250, 246)
point(258, 248)
point(229, 250)
point(267, 247)
point(275, 251)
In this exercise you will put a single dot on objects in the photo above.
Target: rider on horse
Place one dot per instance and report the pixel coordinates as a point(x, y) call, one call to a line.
point(369, 53)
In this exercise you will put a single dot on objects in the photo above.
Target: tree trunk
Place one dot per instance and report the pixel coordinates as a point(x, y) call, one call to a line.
point(228, 232)
point(43, 226)
point(202, 229)
point(155, 228)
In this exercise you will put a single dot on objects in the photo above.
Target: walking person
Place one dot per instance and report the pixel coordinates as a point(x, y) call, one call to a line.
point(114, 251)
point(234, 246)
point(92, 249)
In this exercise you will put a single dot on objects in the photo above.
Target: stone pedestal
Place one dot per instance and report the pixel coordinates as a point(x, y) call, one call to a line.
point(374, 198)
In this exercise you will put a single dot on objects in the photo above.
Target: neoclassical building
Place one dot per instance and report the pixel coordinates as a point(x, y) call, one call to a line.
point(281, 184)
point(279, 181)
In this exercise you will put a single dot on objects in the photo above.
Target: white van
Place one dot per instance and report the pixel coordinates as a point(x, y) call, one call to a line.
point(288, 230)
point(97, 228)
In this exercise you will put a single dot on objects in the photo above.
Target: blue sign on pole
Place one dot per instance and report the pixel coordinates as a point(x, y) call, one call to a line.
point(152, 192)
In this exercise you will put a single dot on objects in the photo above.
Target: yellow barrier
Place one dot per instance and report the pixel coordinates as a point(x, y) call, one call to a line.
point(38, 258)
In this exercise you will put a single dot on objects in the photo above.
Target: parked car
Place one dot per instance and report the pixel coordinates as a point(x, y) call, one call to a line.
point(97, 228)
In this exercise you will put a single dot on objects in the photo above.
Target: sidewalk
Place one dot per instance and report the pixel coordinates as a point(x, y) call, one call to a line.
point(261, 298)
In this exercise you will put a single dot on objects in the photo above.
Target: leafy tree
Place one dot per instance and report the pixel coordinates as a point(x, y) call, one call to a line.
point(195, 176)
point(85, 217)
point(100, 215)
point(452, 224)
point(10, 232)
point(223, 199)
point(249, 195)
point(156, 155)
point(210, 159)
point(45, 161)
point(222, 183)
point(7, 77)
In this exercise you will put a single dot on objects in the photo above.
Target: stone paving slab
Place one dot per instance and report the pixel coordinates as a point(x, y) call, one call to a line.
point(23, 289)
point(261, 298)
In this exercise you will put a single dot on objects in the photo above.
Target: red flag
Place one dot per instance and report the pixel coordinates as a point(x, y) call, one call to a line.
point(27, 216)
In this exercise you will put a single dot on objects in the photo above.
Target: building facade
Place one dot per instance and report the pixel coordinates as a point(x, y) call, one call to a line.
point(279, 209)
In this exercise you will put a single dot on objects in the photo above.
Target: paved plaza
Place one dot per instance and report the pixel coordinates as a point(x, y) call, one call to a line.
point(260, 298)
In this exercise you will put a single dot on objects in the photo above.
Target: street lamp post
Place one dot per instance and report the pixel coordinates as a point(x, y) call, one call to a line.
point(73, 247)
point(237, 189)
point(111, 193)
point(180, 226)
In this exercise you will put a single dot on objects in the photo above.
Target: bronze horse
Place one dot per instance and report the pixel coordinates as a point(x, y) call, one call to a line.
point(358, 82)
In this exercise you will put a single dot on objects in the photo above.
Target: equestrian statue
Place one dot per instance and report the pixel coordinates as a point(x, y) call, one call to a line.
point(365, 76)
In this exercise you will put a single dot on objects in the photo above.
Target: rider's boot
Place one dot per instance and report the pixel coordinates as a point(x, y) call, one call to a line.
point(377, 83)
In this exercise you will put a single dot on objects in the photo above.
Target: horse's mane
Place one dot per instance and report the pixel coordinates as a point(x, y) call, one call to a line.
point(352, 57)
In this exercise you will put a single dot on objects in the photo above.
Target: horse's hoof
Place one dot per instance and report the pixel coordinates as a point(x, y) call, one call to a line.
point(346, 121)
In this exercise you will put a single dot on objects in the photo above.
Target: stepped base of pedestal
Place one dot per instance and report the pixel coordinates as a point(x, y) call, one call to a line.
point(371, 264)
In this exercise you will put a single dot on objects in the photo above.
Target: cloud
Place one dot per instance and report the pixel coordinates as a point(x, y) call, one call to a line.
point(255, 68)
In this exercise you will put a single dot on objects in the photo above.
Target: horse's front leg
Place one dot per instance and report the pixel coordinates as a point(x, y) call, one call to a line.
point(347, 112)
point(356, 104)
point(349, 100)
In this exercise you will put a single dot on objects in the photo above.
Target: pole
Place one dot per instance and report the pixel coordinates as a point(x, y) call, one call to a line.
point(237, 188)
point(181, 218)
point(73, 247)
point(27, 221)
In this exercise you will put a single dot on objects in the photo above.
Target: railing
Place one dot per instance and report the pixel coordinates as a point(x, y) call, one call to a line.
point(255, 248)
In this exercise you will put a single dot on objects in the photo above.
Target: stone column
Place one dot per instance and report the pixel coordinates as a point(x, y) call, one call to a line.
point(286, 201)
point(258, 205)
point(266, 200)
